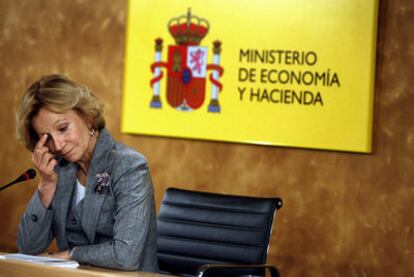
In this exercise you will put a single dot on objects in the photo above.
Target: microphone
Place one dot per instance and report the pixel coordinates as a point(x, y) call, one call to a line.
point(28, 175)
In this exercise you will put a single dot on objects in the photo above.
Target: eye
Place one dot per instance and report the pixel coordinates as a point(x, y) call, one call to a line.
point(63, 129)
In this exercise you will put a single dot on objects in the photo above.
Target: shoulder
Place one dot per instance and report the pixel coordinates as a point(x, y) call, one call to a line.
point(124, 160)
point(121, 162)
point(116, 154)
point(127, 156)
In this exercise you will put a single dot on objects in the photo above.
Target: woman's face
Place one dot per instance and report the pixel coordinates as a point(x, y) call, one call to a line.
point(68, 133)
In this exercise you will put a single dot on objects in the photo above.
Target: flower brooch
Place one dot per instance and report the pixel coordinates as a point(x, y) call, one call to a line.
point(102, 182)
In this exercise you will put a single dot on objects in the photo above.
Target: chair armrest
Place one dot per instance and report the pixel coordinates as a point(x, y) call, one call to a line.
point(204, 269)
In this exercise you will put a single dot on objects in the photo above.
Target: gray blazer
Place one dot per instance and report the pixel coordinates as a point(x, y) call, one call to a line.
point(119, 225)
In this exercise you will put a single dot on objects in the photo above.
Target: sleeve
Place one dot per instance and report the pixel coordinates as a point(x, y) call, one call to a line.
point(135, 210)
point(35, 229)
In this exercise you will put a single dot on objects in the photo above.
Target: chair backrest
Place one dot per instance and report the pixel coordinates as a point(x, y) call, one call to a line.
point(197, 228)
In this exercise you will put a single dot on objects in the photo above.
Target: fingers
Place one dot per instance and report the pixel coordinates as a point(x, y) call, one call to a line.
point(41, 155)
point(44, 162)
point(42, 140)
point(42, 158)
point(40, 148)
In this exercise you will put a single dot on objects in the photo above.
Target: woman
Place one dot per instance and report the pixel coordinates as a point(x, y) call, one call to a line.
point(95, 195)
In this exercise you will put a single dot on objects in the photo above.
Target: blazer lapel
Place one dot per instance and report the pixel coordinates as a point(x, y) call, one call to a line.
point(93, 201)
point(92, 204)
point(63, 196)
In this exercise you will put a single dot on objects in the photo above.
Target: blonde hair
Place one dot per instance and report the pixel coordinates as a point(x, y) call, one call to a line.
point(58, 94)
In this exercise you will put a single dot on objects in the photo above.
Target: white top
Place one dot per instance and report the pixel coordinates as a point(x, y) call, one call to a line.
point(80, 192)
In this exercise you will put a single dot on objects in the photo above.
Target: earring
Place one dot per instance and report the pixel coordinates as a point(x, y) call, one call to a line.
point(91, 131)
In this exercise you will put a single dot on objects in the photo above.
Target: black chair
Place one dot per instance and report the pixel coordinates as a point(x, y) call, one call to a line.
point(209, 234)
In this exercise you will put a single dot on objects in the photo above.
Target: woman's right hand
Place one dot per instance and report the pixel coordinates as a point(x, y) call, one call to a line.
point(43, 160)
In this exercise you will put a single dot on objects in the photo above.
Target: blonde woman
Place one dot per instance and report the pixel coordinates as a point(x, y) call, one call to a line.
point(95, 195)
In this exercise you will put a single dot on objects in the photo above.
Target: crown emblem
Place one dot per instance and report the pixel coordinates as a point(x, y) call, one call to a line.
point(188, 29)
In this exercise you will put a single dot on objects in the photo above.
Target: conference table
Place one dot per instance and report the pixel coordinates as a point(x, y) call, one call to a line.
point(14, 268)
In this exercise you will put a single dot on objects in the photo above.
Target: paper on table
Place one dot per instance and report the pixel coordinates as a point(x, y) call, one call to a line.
point(41, 260)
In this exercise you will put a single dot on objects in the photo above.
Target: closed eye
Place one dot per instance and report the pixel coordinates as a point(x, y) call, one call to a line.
point(63, 129)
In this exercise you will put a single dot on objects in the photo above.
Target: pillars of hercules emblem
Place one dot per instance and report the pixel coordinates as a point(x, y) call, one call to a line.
point(214, 106)
point(155, 82)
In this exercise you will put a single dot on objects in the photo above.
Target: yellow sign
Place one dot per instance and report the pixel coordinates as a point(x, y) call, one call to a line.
point(288, 73)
